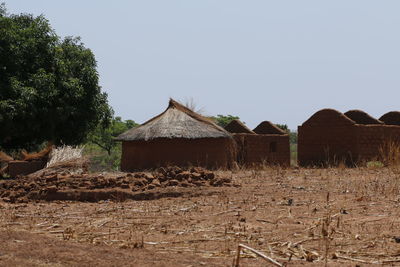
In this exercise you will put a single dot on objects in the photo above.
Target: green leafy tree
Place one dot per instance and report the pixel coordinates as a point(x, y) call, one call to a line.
point(223, 120)
point(292, 135)
point(49, 88)
point(103, 137)
point(2, 9)
point(283, 127)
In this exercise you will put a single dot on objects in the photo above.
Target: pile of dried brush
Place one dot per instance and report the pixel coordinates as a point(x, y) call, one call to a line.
point(72, 166)
point(65, 159)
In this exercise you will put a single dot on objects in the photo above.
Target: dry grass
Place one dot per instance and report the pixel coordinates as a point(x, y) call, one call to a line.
point(41, 155)
point(64, 153)
point(390, 153)
point(295, 216)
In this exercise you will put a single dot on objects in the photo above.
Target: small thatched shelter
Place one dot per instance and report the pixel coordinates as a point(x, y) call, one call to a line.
point(266, 127)
point(391, 118)
point(236, 126)
point(178, 136)
point(361, 117)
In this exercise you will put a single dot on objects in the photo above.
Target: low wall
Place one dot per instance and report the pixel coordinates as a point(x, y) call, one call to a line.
point(18, 167)
point(262, 148)
point(320, 145)
point(371, 139)
point(211, 153)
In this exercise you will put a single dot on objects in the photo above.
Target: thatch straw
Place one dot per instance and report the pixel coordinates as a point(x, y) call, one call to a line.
point(4, 157)
point(266, 127)
point(64, 153)
point(236, 126)
point(177, 121)
point(72, 166)
point(41, 155)
point(391, 118)
point(361, 117)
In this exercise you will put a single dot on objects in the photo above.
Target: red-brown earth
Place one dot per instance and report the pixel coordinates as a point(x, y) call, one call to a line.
point(299, 217)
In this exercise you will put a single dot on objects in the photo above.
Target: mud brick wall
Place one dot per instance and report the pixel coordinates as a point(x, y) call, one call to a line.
point(371, 139)
point(18, 167)
point(262, 148)
point(328, 137)
point(210, 153)
point(326, 145)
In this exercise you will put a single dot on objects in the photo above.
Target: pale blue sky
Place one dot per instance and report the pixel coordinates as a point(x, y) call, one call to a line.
point(260, 60)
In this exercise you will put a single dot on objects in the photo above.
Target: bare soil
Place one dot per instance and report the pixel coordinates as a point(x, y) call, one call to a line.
point(299, 217)
point(164, 182)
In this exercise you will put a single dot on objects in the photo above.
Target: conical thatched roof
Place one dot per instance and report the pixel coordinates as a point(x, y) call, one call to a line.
point(361, 117)
point(177, 121)
point(236, 126)
point(266, 127)
point(391, 118)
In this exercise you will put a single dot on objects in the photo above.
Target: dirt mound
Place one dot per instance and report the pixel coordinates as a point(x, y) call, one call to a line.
point(93, 187)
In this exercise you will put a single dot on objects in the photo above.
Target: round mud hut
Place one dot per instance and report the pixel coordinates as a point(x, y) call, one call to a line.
point(180, 137)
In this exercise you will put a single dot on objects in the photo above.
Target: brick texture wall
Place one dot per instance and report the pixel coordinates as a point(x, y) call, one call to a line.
point(207, 152)
point(370, 140)
point(259, 149)
point(329, 137)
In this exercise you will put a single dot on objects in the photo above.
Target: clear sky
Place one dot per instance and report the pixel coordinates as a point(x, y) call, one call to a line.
point(260, 60)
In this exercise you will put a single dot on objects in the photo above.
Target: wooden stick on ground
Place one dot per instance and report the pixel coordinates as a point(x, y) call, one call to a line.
point(258, 253)
point(356, 260)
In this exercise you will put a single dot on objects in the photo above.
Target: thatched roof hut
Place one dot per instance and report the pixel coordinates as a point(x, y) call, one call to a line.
point(391, 118)
point(361, 117)
point(177, 121)
point(178, 136)
point(266, 127)
point(236, 126)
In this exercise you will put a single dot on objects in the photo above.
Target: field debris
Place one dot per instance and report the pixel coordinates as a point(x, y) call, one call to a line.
point(64, 154)
point(58, 182)
point(4, 157)
point(296, 217)
point(258, 253)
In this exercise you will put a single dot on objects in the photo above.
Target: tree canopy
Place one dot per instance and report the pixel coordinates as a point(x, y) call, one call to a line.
point(49, 87)
point(292, 135)
point(104, 136)
point(223, 120)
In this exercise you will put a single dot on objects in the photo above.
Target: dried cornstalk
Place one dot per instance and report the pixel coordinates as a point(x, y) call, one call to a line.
point(258, 253)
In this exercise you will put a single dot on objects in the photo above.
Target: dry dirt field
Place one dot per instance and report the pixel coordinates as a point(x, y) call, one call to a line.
point(299, 217)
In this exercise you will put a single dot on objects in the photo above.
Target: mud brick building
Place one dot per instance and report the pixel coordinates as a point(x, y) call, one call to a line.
point(266, 144)
point(236, 126)
point(391, 118)
point(178, 136)
point(331, 137)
